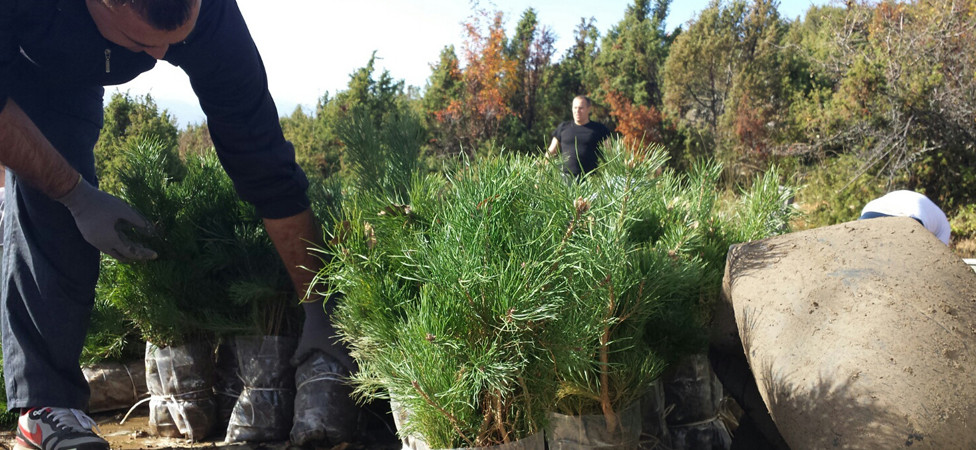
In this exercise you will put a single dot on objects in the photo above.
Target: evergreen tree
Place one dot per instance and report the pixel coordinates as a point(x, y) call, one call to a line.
point(127, 120)
point(445, 82)
point(633, 52)
point(757, 100)
point(573, 75)
point(380, 129)
point(380, 97)
point(444, 86)
point(316, 146)
point(699, 71)
point(892, 90)
point(726, 83)
point(195, 140)
point(531, 50)
point(813, 54)
point(380, 100)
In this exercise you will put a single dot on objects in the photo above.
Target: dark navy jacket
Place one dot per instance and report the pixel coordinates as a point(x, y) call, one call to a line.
point(57, 42)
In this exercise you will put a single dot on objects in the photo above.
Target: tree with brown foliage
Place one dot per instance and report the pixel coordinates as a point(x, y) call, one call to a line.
point(572, 75)
point(640, 125)
point(488, 84)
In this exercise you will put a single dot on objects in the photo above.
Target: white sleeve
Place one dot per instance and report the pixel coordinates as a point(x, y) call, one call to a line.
point(912, 204)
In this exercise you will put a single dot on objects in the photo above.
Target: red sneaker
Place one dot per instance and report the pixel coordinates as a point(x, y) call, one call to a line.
point(57, 429)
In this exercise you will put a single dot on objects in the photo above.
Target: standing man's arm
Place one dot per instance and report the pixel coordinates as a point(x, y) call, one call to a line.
point(553, 148)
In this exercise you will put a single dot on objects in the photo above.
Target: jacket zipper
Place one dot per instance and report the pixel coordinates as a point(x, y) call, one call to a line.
point(108, 60)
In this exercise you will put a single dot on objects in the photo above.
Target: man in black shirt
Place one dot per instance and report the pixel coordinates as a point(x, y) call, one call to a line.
point(580, 140)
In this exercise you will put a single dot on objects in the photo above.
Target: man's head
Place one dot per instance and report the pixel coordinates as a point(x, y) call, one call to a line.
point(581, 110)
point(149, 26)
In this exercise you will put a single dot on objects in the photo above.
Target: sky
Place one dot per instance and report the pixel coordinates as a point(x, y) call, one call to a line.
point(311, 47)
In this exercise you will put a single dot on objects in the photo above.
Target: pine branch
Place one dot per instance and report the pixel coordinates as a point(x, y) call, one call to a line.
point(605, 403)
point(454, 421)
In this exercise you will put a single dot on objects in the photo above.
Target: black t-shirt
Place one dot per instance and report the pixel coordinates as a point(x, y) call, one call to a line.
point(580, 145)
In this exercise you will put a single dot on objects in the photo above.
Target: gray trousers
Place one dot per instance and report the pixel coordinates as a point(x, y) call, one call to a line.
point(48, 270)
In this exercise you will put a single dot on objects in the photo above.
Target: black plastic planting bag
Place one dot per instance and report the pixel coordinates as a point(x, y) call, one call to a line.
point(692, 391)
point(654, 429)
point(711, 435)
point(693, 395)
point(324, 409)
point(180, 380)
point(264, 409)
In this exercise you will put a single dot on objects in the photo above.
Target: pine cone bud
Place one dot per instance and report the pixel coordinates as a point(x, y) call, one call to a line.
point(582, 205)
point(370, 235)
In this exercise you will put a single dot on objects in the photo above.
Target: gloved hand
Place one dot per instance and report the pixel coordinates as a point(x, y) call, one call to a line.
point(102, 218)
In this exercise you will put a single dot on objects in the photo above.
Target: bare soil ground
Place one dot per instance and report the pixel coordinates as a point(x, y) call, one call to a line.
point(134, 434)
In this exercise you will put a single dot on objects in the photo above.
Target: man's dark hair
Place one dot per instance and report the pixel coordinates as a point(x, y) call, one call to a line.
point(166, 15)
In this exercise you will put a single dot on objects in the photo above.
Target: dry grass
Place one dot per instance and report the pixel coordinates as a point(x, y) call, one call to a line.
point(964, 247)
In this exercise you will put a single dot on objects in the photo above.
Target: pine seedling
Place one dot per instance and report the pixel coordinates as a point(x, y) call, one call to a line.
point(617, 285)
point(217, 271)
point(647, 271)
point(111, 336)
point(502, 291)
point(447, 300)
point(383, 153)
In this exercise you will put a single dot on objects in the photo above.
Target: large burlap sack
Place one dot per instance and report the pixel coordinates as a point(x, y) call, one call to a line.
point(859, 335)
point(115, 385)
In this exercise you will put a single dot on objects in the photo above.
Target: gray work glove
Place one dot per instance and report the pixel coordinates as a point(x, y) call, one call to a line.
point(103, 220)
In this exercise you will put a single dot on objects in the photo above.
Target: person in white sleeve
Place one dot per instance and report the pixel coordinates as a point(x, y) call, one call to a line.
point(910, 204)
